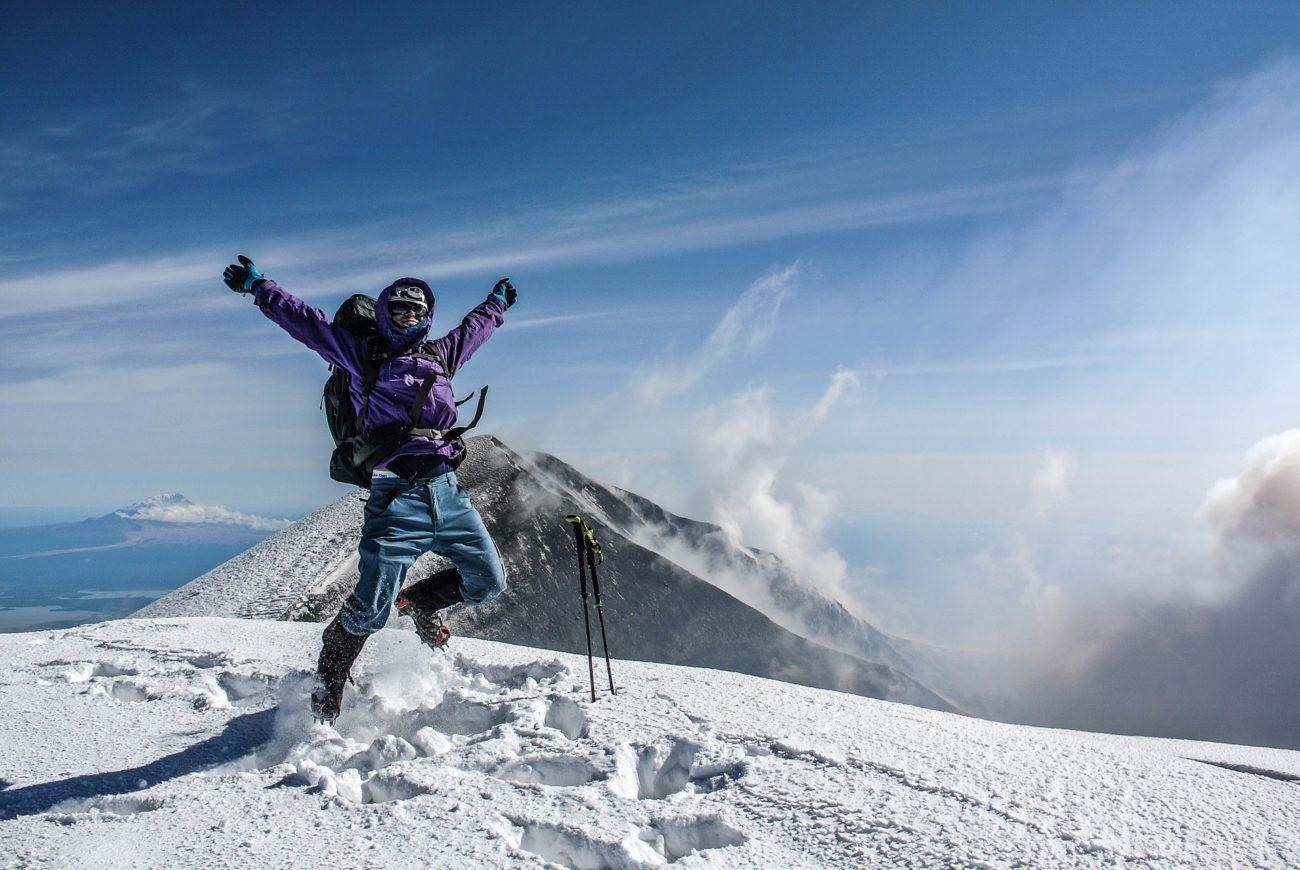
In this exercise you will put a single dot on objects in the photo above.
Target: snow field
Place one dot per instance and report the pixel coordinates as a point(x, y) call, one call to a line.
point(409, 729)
point(182, 742)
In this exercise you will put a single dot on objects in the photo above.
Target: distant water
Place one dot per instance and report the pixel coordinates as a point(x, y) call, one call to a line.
point(19, 517)
point(65, 574)
point(46, 617)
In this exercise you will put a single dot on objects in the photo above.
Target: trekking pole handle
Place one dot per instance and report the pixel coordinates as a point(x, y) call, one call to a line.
point(593, 548)
point(580, 541)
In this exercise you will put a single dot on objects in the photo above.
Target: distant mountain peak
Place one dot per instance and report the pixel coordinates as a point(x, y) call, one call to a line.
point(164, 500)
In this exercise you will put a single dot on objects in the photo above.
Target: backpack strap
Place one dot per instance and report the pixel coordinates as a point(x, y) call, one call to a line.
point(456, 431)
point(453, 434)
point(432, 347)
point(417, 406)
point(375, 357)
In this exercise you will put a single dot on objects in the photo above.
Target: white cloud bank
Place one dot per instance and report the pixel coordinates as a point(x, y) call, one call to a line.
point(1263, 501)
point(173, 508)
point(1214, 658)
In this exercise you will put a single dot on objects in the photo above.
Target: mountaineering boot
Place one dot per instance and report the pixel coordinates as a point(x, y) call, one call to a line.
point(422, 600)
point(338, 651)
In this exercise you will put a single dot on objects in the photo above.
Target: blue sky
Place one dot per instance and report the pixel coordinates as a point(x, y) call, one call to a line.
point(971, 298)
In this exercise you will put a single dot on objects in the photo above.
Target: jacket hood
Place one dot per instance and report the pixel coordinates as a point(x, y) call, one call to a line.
point(397, 339)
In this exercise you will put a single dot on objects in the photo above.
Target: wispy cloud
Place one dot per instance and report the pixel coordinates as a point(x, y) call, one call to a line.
point(517, 323)
point(989, 366)
point(708, 212)
point(102, 149)
point(708, 217)
point(743, 331)
point(700, 211)
point(114, 282)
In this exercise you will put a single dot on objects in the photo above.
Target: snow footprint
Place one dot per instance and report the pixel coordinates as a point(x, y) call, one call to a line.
point(565, 716)
point(552, 770)
point(677, 837)
point(708, 778)
point(663, 841)
point(106, 679)
point(70, 812)
point(387, 786)
point(668, 767)
point(244, 689)
point(125, 690)
point(468, 718)
point(569, 846)
point(84, 672)
point(525, 676)
point(232, 689)
point(653, 772)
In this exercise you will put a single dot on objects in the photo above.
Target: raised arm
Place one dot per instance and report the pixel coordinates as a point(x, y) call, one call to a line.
point(460, 344)
point(311, 326)
point(306, 323)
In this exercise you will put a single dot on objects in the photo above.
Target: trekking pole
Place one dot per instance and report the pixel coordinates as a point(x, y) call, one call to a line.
point(594, 557)
point(580, 540)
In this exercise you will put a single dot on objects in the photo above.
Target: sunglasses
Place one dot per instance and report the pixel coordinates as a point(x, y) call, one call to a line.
point(400, 308)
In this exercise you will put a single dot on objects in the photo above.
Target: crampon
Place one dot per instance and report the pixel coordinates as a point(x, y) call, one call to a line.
point(428, 624)
point(325, 705)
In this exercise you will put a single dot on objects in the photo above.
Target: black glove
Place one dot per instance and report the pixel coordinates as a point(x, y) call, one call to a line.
point(242, 277)
point(506, 292)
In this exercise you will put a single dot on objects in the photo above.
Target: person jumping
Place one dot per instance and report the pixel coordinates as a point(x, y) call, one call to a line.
point(416, 504)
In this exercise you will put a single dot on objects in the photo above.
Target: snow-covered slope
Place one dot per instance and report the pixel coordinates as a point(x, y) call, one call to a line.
point(183, 743)
point(658, 609)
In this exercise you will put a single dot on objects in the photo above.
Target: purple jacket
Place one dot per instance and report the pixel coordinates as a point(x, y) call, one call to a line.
point(398, 382)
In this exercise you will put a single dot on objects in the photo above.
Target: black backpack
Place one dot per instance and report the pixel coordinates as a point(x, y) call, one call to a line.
point(356, 450)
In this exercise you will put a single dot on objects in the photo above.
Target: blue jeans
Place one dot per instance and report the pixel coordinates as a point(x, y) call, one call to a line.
point(407, 517)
